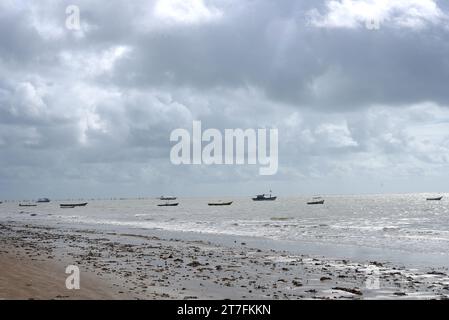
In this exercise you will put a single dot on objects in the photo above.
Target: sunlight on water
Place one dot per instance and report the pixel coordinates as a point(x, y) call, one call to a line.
point(403, 222)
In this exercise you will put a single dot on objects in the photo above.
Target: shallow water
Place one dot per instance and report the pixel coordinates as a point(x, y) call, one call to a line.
point(405, 223)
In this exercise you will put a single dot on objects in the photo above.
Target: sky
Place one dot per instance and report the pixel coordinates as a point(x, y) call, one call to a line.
point(358, 91)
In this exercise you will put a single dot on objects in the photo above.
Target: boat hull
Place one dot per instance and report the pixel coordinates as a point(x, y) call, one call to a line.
point(168, 205)
point(434, 199)
point(315, 202)
point(265, 199)
point(68, 205)
point(220, 204)
point(167, 198)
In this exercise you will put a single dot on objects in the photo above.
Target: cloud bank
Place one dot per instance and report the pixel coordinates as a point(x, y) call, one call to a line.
point(89, 112)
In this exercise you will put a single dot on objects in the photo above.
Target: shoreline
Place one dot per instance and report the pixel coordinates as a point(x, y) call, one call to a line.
point(355, 253)
point(137, 266)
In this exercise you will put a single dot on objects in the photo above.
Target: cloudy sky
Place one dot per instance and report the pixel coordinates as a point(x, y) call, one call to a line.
point(359, 91)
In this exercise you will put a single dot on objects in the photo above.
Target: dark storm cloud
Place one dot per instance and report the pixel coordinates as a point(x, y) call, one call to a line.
point(293, 62)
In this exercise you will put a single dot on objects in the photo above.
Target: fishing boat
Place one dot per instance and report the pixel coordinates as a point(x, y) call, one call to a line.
point(27, 205)
point(316, 200)
point(167, 198)
point(265, 197)
point(435, 199)
point(43, 200)
point(168, 204)
point(220, 203)
point(68, 205)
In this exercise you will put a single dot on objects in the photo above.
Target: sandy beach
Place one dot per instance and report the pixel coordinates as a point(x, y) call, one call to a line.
point(25, 277)
point(134, 266)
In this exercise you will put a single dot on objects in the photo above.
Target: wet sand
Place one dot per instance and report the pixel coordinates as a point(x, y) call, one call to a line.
point(23, 277)
point(131, 266)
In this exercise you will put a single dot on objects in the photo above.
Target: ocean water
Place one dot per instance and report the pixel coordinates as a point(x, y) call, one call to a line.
point(404, 223)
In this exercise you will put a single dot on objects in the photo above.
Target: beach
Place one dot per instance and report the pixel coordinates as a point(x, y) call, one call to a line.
point(27, 276)
point(149, 265)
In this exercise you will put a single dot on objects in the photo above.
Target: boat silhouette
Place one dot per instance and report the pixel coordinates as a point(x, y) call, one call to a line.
point(220, 203)
point(69, 205)
point(167, 198)
point(168, 204)
point(264, 197)
point(435, 199)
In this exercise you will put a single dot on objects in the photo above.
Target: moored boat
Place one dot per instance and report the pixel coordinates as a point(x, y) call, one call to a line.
point(435, 199)
point(316, 202)
point(68, 205)
point(168, 204)
point(27, 205)
point(43, 200)
point(167, 198)
point(220, 203)
point(264, 197)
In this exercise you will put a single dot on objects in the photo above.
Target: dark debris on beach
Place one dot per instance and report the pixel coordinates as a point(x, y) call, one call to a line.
point(148, 267)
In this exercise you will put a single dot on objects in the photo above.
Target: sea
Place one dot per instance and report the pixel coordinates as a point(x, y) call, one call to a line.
point(400, 228)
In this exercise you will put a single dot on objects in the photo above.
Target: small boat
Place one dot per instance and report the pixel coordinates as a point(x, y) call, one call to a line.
point(168, 204)
point(63, 205)
point(43, 200)
point(265, 197)
point(27, 205)
point(167, 198)
point(67, 207)
point(316, 200)
point(435, 199)
point(1, 202)
point(220, 203)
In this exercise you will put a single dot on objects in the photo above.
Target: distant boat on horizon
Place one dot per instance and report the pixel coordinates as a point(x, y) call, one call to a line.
point(168, 198)
point(69, 205)
point(265, 197)
point(168, 204)
point(220, 203)
point(435, 199)
point(43, 200)
point(27, 205)
point(316, 200)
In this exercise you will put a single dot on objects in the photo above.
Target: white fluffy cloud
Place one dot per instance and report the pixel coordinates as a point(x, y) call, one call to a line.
point(185, 11)
point(414, 14)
